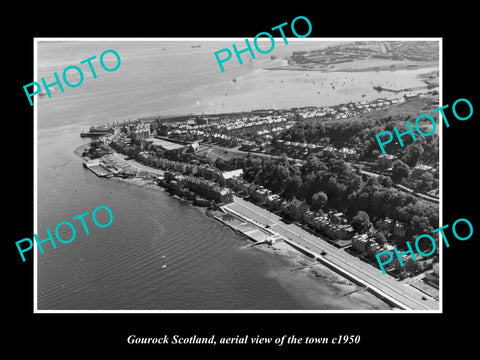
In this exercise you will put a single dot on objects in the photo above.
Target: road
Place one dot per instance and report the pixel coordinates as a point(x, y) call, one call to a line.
point(403, 293)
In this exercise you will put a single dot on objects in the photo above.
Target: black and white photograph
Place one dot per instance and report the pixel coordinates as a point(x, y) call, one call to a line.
point(260, 187)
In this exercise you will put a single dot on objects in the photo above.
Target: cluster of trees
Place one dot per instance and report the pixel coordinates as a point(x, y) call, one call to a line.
point(95, 150)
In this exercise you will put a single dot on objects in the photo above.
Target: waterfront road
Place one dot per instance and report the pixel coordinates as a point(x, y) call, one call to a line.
point(135, 164)
point(410, 297)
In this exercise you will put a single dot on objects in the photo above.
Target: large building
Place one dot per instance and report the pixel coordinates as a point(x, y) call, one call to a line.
point(204, 188)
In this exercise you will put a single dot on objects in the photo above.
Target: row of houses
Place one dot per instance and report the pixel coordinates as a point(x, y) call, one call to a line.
point(202, 170)
point(257, 192)
point(251, 122)
point(334, 224)
point(351, 109)
point(202, 187)
point(365, 245)
point(344, 152)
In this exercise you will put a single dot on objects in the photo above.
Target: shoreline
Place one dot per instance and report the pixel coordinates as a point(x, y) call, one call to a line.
point(298, 264)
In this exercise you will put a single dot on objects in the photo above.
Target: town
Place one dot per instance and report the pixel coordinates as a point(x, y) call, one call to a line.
point(315, 171)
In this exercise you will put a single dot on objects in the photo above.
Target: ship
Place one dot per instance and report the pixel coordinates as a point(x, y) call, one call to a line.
point(196, 46)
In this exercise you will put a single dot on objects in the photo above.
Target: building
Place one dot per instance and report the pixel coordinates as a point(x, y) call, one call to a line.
point(273, 202)
point(308, 216)
point(348, 154)
point(238, 173)
point(193, 148)
point(421, 169)
point(360, 243)
point(260, 195)
point(433, 278)
point(385, 224)
point(204, 188)
point(336, 217)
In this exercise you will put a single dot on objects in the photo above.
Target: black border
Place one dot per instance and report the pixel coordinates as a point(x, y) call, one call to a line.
point(406, 333)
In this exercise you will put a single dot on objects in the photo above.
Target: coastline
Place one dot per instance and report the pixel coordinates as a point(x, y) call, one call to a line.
point(300, 272)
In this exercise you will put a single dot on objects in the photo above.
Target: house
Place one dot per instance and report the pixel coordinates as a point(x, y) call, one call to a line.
point(193, 148)
point(336, 231)
point(347, 153)
point(308, 216)
point(360, 243)
point(297, 208)
point(385, 224)
point(273, 202)
point(261, 194)
point(336, 217)
point(232, 174)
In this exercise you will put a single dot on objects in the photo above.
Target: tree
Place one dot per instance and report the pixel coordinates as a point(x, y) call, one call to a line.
point(387, 182)
point(400, 171)
point(413, 153)
point(319, 200)
point(291, 187)
point(361, 222)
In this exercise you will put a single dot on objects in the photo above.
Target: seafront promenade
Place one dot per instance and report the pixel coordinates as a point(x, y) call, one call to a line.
point(402, 295)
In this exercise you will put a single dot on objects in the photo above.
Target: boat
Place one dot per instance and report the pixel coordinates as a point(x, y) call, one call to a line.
point(164, 266)
point(163, 257)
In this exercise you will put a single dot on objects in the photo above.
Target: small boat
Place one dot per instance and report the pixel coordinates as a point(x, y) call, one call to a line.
point(163, 257)
point(164, 266)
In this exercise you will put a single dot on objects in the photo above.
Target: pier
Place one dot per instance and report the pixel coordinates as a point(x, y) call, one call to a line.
point(97, 168)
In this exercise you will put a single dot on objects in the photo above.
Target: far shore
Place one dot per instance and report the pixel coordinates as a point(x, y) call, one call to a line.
point(361, 66)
